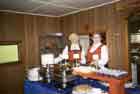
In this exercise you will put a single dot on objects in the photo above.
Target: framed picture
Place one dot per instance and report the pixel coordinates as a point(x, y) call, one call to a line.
point(52, 43)
point(9, 52)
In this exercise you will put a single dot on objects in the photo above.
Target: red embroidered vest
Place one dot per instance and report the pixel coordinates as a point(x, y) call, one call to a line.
point(71, 54)
point(96, 52)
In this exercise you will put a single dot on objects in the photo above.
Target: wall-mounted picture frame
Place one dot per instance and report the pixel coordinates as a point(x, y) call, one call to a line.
point(10, 52)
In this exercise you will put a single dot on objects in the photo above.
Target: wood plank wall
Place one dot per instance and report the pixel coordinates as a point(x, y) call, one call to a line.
point(27, 29)
point(106, 18)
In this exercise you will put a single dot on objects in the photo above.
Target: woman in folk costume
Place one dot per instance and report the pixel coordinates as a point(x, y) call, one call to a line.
point(98, 52)
point(73, 51)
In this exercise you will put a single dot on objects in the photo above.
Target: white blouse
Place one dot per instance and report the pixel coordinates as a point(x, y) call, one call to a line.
point(65, 54)
point(104, 54)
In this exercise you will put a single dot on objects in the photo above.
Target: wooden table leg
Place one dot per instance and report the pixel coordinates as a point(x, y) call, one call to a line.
point(116, 87)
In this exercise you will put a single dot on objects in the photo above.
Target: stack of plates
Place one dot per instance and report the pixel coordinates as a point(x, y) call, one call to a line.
point(33, 74)
point(86, 89)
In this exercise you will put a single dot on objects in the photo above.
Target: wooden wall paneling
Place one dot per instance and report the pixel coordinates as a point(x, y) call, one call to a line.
point(125, 45)
point(67, 25)
point(63, 21)
point(83, 22)
point(70, 24)
point(111, 38)
point(1, 27)
point(121, 41)
point(64, 27)
point(91, 21)
point(118, 40)
point(27, 29)
point(31, 40)
point(97, 18)
point(12, 75)
point(116, 27)
point(27, 26)
point(108, 38)
point(74, 23)
point(36, 42)
point(13, 27)
point(100, 21)
point(46, 24)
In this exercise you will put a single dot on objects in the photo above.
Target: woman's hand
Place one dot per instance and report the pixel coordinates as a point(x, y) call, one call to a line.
point(74, 71)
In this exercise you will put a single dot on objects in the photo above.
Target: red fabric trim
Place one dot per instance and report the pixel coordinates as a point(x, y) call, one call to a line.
point(71, 54)
point(89, 54)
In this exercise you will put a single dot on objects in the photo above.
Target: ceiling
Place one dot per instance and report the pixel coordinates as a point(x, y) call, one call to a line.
point(54, 8)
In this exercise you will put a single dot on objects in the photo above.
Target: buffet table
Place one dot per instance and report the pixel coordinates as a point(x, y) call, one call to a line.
point(34, 87)
point(31, 87)
point(116, 85)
